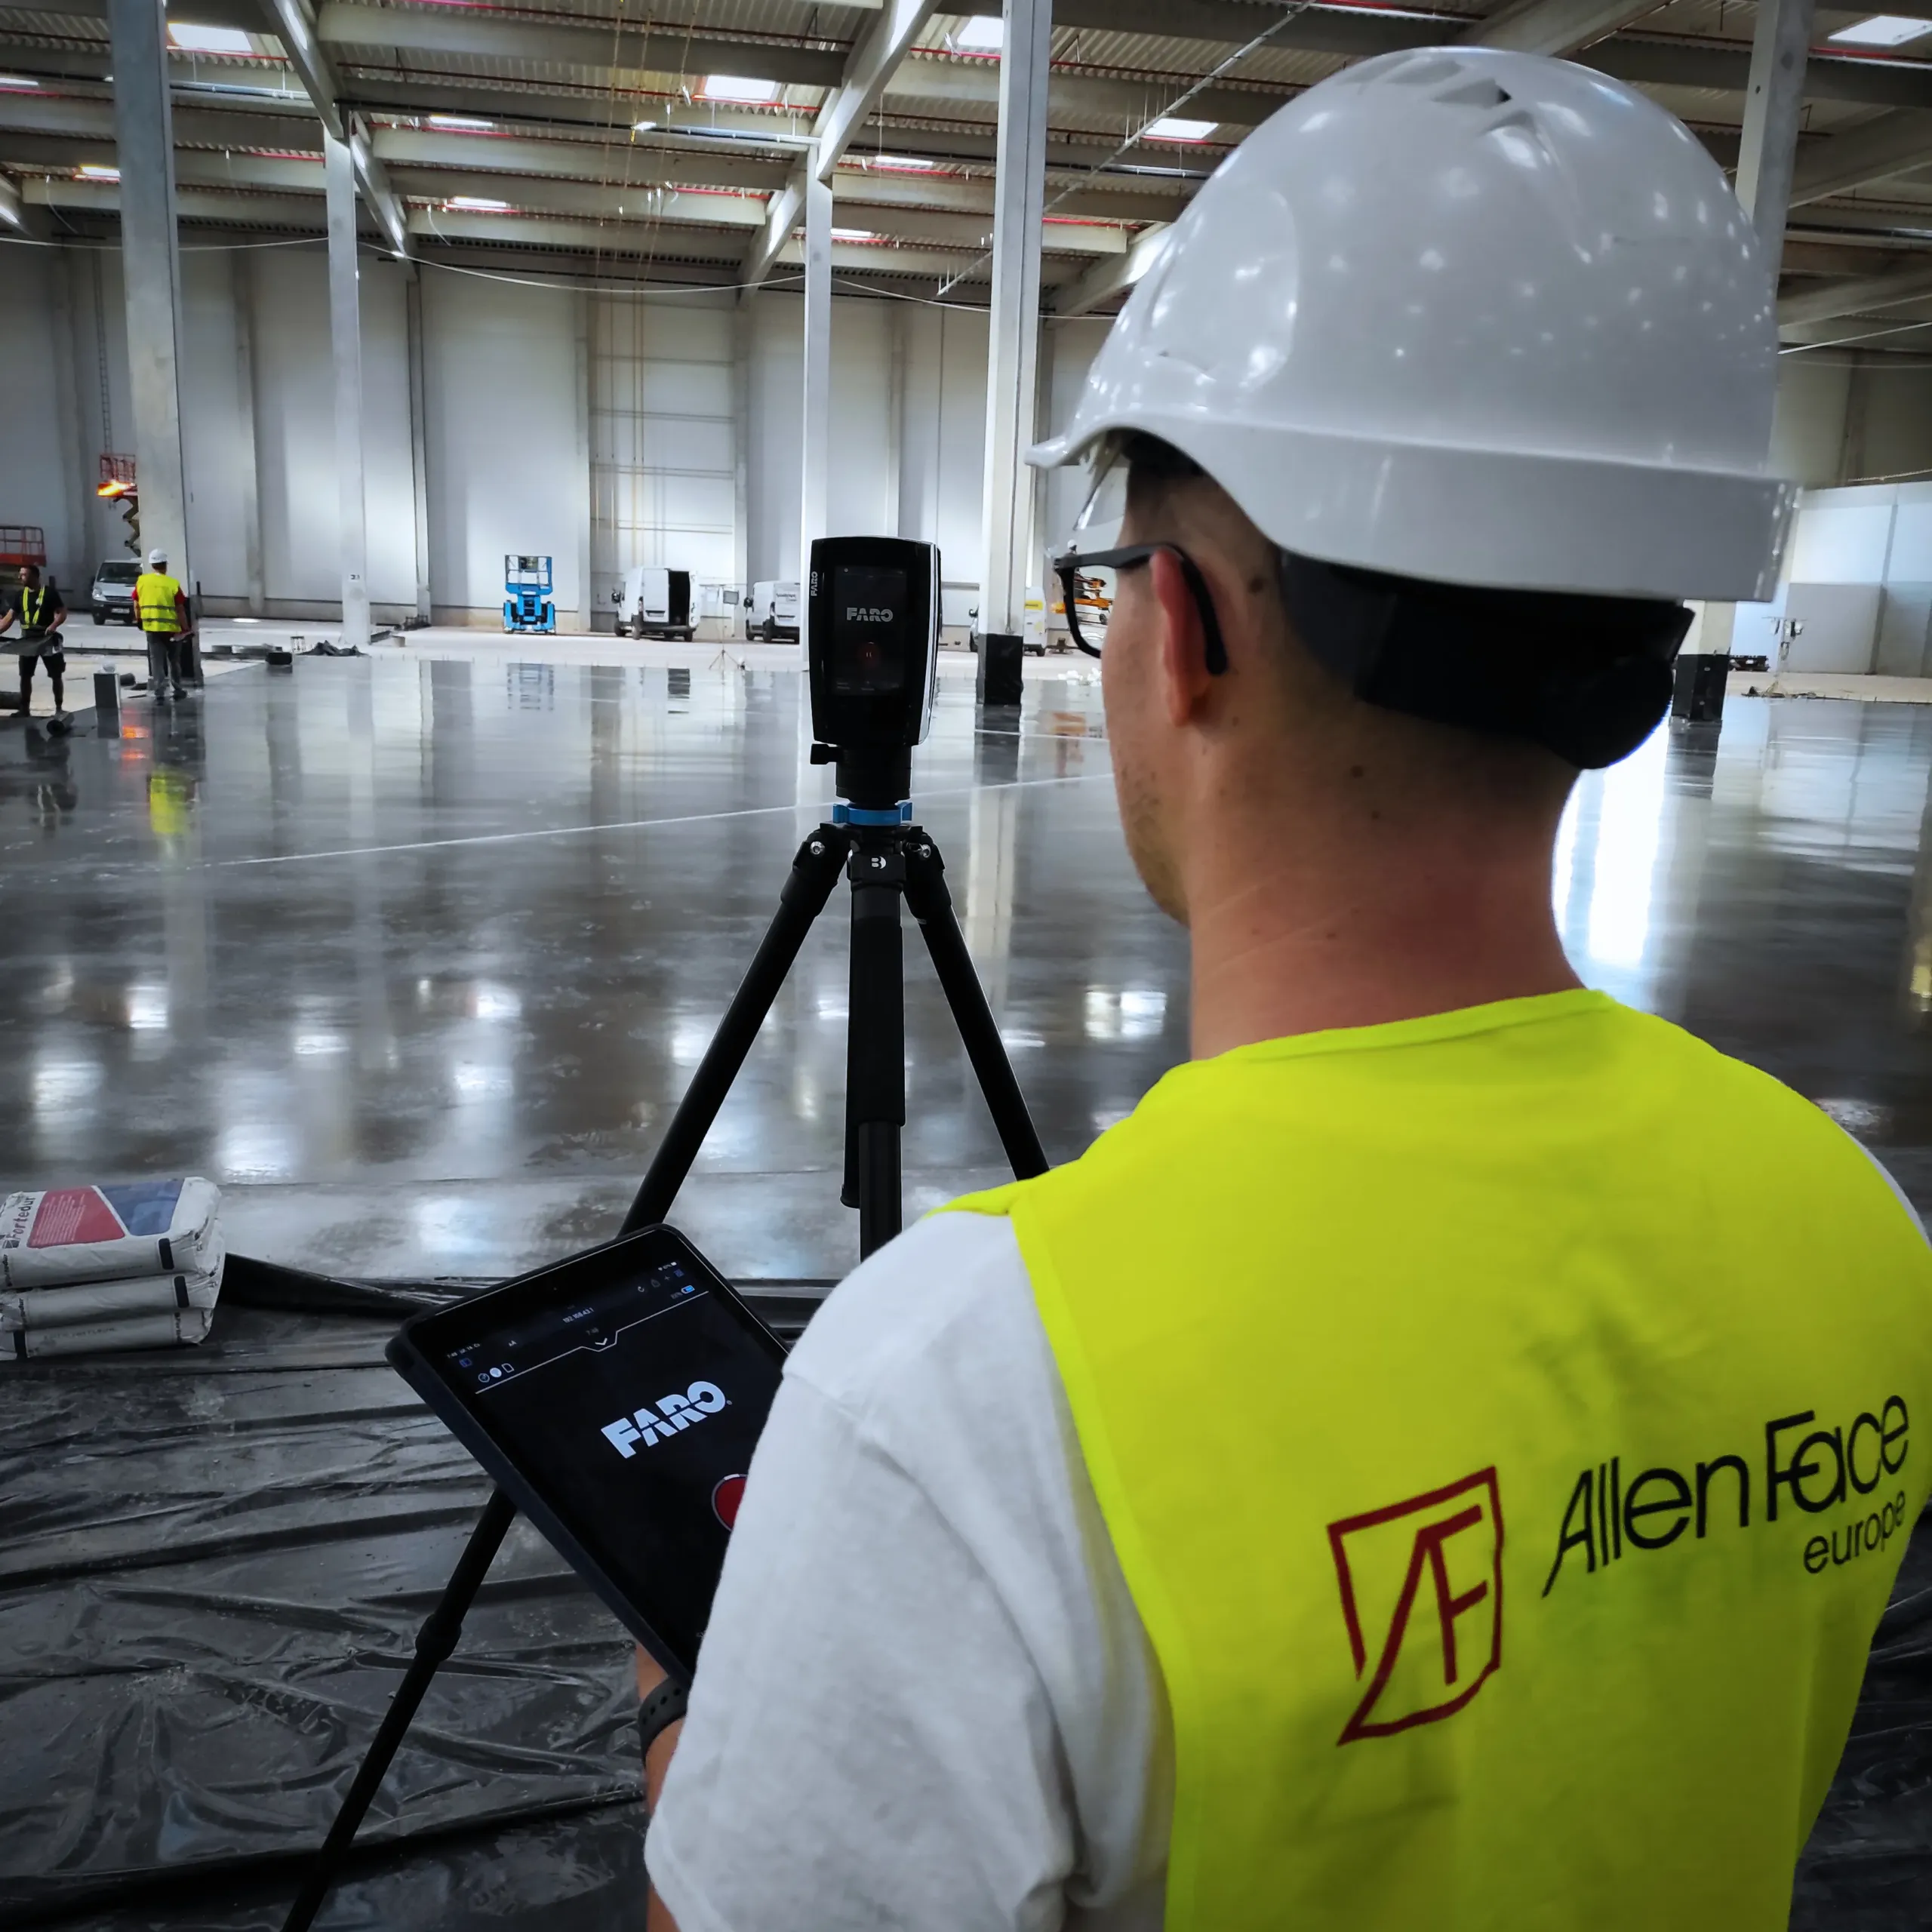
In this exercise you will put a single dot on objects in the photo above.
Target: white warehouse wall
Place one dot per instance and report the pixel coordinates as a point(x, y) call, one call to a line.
point(294, 399)
point(531, 393)
point(36, 460)
point(217, 436)
point(506, 371)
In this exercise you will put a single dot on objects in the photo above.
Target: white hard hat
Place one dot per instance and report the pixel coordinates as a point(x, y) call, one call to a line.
point(157, 560)
point(1472, 316)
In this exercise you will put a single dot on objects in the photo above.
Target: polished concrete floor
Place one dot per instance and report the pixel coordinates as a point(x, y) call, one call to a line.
point(415, 957)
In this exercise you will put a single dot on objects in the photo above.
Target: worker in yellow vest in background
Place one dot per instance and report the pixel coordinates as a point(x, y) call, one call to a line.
point(161, 605)
point(42, 612)
point(1440, 1462)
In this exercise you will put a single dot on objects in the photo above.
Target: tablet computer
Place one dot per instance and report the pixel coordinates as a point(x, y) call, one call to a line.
point(615, 1398)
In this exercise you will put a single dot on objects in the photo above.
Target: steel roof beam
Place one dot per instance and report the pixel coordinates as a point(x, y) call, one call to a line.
point(871, 258)
point(302, 212)
point(1725, 68)
point(859, 186)
point(294, 25)
point(1106, 279)
point(433, 147)
point(1553, 26)
point(1896, 143)
point(1863, 295)
point(866, 74)
point(642, 202)
point(976, 83)
point(457, 30)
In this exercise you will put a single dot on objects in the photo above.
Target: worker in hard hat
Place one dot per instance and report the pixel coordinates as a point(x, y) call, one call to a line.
point(1391, 1480)
point(41, 611)
point(162, 606)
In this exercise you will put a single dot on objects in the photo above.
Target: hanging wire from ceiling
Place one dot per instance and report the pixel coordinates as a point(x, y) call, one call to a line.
point(1173, 107)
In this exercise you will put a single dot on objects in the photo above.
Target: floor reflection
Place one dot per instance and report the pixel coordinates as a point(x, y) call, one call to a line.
point(383, 919)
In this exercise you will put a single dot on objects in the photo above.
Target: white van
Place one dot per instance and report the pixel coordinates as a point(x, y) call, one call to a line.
point(774, 612)
point(655, 602)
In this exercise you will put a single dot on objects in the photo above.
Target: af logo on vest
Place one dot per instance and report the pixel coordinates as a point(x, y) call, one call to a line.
point(1422, 1595)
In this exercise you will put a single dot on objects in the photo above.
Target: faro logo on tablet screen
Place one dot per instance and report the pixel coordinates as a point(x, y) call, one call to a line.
point(651, 1425)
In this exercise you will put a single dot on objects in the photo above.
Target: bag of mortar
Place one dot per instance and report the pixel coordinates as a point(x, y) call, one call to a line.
point(167, 1329)
point(64, 1234)
point(37, 1309)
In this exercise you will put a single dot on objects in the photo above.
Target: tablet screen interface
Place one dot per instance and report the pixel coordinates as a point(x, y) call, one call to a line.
point(632, 1407)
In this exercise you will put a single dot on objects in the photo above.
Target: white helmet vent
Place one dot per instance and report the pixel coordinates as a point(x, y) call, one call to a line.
point(1481, 92)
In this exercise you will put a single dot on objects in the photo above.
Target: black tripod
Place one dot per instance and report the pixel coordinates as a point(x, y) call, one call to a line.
point(887, 858)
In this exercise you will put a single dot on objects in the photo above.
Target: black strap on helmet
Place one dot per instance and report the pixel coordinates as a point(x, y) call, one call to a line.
point(1587, 677)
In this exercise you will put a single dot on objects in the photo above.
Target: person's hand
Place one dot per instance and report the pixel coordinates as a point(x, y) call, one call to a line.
point(657, 1760)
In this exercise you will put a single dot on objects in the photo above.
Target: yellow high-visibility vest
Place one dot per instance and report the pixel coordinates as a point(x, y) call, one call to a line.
point(154, 593)
point(1509, 1423)
point(35, 608)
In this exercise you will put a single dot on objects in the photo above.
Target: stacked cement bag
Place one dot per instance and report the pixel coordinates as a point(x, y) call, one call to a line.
point(83, 1270)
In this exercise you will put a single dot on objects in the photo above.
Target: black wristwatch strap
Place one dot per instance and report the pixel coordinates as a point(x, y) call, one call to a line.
point(658, 1711)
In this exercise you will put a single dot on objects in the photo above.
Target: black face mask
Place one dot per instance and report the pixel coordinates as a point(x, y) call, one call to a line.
point(1587, 677)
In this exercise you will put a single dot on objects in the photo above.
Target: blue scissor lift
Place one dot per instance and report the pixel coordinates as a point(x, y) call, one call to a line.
point(528, 605)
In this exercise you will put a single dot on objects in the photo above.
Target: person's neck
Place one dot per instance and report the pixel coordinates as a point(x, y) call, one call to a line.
point(1293, 944)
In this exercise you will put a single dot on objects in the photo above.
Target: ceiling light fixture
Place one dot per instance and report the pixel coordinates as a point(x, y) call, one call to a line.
point(1175, 127)
point(1883, 30)
point(985, 33)
point(475, 204)
point(644, 127)
point(741, 88)
point(463, 124)
point(190, 39)
point(902, 163)
point(853, 235)
point(17, 83)
point(93, 170)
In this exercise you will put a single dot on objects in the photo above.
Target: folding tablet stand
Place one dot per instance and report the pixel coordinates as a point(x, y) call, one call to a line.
point(887, 858)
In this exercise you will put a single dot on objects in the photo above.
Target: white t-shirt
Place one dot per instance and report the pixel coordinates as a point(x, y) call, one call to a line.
point(926, 1698)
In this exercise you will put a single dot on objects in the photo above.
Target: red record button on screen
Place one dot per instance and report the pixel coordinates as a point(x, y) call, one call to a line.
point(726, 1497)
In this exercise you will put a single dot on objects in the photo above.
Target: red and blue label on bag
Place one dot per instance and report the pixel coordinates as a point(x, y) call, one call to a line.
point(79, 1216)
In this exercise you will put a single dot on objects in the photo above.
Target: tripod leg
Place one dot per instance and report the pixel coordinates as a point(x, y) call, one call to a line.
point(932, 906)
point(814, 873)
point(875, 1043)
point(434, 1642)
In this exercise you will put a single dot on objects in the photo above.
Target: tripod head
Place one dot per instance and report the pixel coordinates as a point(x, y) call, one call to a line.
point(873, 779)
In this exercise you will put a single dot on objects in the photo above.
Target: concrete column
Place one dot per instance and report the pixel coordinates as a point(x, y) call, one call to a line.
point(242, 293)
point(1773, 104)
point(346, 342)
point(1013, 349)
point(586, 503)
point(895, 418)
point(741, 443)
point(418, 440)
point(1041, 479)
point(815, 492)
point(150, 269)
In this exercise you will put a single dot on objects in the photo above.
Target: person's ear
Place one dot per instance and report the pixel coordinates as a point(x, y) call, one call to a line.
point(1185, 679)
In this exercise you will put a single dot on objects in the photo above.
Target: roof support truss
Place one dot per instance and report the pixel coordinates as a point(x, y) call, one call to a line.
point(878, 52)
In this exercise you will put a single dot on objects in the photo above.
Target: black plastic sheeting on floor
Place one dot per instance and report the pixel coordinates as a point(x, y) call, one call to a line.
point(214, 1564)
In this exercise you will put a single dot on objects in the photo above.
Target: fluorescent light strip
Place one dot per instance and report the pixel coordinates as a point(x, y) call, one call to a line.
point(1177, 127)
point(191, 39)
point(1883, 30)
point(739, 88)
